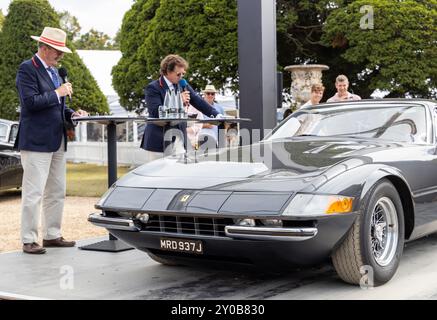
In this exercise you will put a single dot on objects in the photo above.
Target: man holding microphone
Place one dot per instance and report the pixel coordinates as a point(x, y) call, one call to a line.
point(42, 140)
point(173, 69)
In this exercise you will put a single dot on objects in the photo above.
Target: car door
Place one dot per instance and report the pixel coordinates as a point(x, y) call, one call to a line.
point(425, 197)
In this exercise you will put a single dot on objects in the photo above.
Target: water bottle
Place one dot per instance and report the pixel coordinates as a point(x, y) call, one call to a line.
point(165, 106)
point(173, 105)
point(181, 108)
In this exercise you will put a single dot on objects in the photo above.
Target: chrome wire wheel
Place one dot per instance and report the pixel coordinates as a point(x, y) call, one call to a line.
point(376, 239)
point(384, 231)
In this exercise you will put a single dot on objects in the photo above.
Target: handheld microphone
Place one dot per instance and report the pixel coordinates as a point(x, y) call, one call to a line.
point(64, 76)
point(183, 84)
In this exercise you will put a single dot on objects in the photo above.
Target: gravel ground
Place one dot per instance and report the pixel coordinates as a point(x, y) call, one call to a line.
point(74, 226)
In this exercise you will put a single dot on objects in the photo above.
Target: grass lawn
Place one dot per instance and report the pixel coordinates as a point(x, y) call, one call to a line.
point(88, 180)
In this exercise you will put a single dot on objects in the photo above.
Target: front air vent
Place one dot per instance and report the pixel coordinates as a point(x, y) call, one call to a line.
point(214, 227)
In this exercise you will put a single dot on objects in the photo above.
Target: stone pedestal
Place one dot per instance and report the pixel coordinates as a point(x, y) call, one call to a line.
point(303, 77)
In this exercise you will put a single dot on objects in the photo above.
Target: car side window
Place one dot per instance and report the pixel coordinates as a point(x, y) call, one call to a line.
point(435, 124)
point(13, 133)
point(3, 132)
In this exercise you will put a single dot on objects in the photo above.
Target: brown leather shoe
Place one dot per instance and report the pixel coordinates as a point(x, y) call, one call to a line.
point(33, 248)
point(58, 243)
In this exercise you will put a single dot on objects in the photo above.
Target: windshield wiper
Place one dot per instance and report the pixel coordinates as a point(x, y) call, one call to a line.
point(306, 135)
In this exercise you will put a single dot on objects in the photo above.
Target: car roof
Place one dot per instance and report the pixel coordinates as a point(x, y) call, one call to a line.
point(374, 101)
point(9, 122)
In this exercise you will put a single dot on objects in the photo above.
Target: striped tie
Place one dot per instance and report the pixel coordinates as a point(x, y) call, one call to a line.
point(55, 78)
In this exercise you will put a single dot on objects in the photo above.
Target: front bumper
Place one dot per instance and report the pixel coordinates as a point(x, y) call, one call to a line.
point(262, 233)
point(124, 224)
point(275, 247)
point(248, 245)
point(234, 232)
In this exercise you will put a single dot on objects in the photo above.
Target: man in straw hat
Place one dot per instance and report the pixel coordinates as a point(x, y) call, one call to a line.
point(42, 140)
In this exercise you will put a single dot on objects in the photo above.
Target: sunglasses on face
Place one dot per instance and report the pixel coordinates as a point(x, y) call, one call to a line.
point(210, 93)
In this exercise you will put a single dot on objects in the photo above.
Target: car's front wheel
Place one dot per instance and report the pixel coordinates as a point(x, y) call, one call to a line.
point(371, 251)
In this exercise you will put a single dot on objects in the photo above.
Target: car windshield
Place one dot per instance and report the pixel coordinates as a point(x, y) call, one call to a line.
point(396, 123)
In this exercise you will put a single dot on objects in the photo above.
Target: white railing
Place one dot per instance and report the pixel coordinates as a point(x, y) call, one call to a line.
point(128, 153)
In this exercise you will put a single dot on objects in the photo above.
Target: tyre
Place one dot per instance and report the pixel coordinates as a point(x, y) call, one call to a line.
point(372, 249)
point(164, 261)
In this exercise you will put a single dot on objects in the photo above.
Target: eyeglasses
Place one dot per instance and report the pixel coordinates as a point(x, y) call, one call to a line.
point(210, 93)
point(58, 52)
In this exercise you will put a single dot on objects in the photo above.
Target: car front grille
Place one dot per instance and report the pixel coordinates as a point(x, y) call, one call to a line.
point(188, 225)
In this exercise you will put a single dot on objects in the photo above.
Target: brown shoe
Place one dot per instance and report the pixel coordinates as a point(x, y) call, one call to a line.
point(33, 248)
point(58, 243)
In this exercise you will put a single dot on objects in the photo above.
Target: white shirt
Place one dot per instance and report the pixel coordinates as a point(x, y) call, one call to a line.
point(170, 85)
point(350, 97)
point(306, 104)
point(45, 66)
point(214, 130)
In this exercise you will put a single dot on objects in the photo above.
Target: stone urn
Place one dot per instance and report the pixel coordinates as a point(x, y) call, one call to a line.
point(303, 76)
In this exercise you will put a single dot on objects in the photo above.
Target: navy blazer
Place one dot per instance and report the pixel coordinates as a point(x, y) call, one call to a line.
point(42, 117)
point(153, 138)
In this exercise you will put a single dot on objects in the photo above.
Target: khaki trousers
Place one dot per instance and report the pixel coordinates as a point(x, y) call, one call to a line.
point(43, 188)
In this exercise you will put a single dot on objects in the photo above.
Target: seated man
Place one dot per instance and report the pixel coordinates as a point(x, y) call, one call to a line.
point(210, 131)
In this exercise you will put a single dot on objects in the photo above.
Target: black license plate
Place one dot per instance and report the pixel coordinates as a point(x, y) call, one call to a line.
point(182, 245)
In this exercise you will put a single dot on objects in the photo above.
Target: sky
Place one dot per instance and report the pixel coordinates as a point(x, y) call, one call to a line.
point(100, 64)
point(103, 15)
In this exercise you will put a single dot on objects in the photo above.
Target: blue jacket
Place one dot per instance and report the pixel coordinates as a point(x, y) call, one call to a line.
point(42, 117)
point(155, 93)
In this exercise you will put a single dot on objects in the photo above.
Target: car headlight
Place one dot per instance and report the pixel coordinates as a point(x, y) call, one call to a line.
point(245, 222)
point(143, 217)
point(105, 196)
point(318, 205)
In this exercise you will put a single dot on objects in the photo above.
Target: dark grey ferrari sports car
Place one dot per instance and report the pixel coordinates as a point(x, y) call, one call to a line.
point(352, 181)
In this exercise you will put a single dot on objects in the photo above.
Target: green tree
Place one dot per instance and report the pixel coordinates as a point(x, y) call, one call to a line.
point(398, 52)
point(299, 32)
point(2, 19)
point(323, 32)
point(29, 17)
point(116, 41)
point(70, 24)
point(328, 32)
point(130, 76)
point(204, 33)
point(94, 40)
